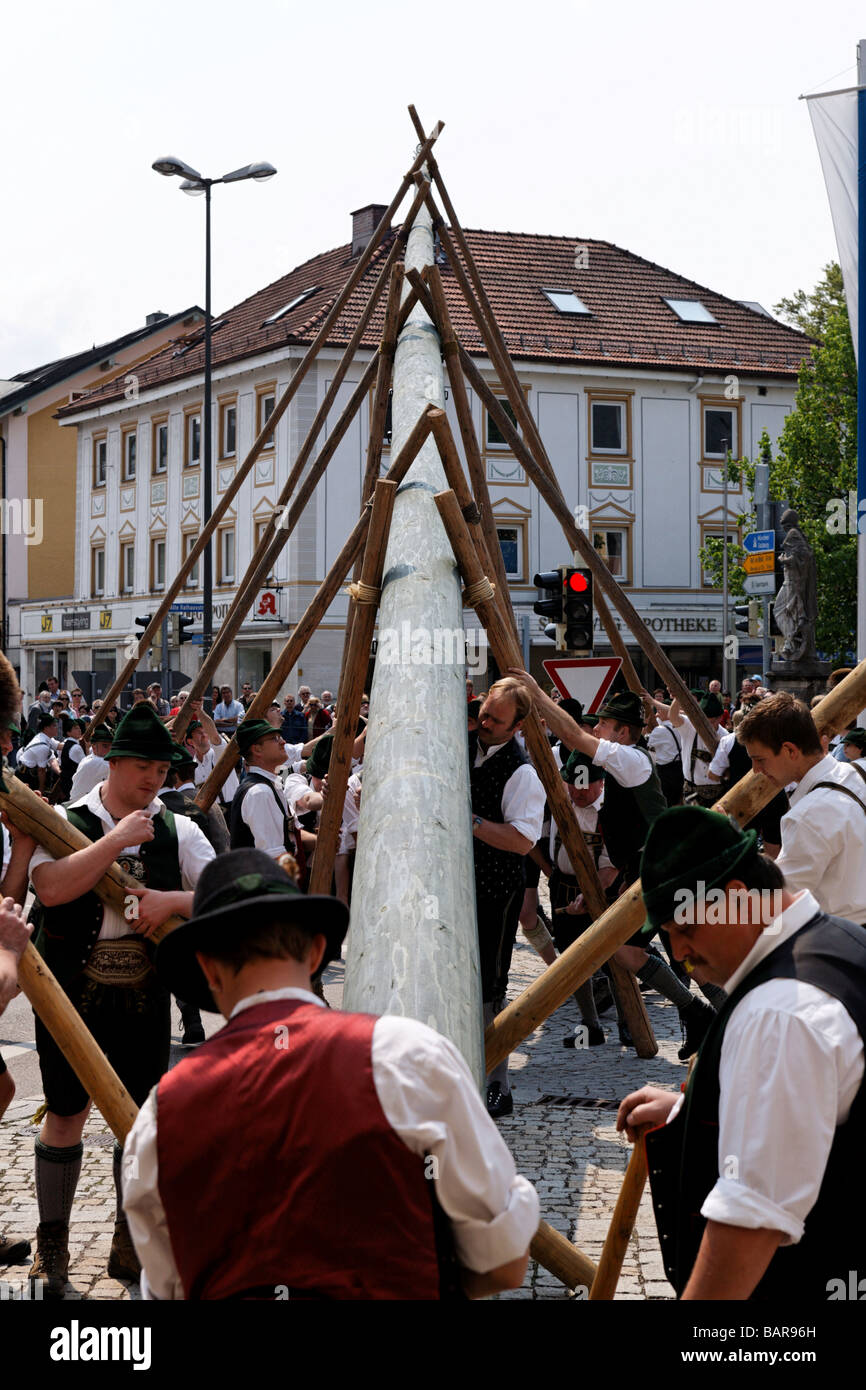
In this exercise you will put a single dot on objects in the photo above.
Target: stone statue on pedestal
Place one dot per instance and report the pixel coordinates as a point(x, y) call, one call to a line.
point(796, 605)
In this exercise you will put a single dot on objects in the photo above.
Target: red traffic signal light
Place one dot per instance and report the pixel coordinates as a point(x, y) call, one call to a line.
point(576, 581)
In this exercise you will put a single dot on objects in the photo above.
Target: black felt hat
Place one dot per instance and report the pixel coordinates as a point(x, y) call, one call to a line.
point(626, 708)
point(141, 734)
point(712, 706)
point(181, 757)
point(235, 894)
point(102, 734)
point(46, 720)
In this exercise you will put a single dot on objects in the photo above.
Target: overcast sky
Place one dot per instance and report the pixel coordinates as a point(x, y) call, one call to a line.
point(670, 128)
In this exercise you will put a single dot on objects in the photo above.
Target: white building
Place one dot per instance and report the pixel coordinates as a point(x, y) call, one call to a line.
point(638, 380)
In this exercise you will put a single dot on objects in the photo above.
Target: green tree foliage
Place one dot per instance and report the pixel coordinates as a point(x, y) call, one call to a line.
point(815, 468)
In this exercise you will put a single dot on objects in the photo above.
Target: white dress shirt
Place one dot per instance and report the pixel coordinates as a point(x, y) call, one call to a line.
point(259, 811)
point(701, 778)
point(587, 819)
point(824, 840)
point(194, 850)
point(522, 797)
point(39, 751)
point(722, 756)
point(206, 766)
point(625, 763)
point(664, 743)
point(430, 1100)
point(234, 710)
point(90, 772)
point(791, 1065)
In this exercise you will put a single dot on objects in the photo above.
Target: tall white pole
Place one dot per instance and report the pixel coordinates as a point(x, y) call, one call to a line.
point(858, 331)
point(413, 940)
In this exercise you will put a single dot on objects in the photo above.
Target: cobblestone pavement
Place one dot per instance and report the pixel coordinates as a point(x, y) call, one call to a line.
point(562, 1135)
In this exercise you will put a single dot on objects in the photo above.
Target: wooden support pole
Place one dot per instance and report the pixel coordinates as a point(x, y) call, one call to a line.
point(281, 406)
point(365, 602)
point(621, 1224)
point(378, 416)
point(316, 610)
point(505, 650)
point(563, 1259)
point(623, 917)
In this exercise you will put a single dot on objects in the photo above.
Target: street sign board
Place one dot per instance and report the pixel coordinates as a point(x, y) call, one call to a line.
point(761, 562)
point(756, 541)
point(584, 678)
point(760, 584)
point(192, 610)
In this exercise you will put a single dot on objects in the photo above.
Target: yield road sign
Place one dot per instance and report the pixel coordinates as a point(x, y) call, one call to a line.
point(760, 584)
point(762, 562)
point(584, 678)
point(756, 541)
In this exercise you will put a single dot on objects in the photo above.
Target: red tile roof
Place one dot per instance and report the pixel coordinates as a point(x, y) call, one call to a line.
point(629, 323)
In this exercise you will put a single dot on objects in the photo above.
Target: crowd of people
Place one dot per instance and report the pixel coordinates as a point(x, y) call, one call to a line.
point(641, 784)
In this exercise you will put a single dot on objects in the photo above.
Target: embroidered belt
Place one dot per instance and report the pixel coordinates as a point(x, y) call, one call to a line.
point(123, 962)
point(700, 795)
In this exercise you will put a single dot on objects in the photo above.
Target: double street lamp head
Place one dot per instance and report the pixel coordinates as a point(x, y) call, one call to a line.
point(195, 184)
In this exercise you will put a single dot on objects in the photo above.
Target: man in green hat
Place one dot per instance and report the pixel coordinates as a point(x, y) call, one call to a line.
point(93, 768)
point(633, 798)
point(103, 961)
point(754, 1170)
point(260, 817)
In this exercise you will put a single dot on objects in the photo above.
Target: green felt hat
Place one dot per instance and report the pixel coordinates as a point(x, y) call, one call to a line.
point(251, 731)
point(181, 757)
point(141, 734)
point(857, 737)
point(626, 708)
point(13, 727)
point(688, 846)
point(577, 762)
point(102, 734)
point(712, 706)
point(320, 758)
point(192, 726)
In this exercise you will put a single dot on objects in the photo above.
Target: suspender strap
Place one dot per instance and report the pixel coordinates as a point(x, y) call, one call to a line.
point(836, 787)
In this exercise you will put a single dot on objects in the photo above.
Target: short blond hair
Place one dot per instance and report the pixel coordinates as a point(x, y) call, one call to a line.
point(514, 690)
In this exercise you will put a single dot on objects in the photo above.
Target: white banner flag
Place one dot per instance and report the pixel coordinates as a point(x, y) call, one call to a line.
point(834, 121)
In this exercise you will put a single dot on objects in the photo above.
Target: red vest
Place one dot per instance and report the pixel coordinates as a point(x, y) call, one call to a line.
point(277, 1164)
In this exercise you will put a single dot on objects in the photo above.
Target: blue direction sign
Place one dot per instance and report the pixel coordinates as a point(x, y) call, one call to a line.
point(194, 608)
point(757, 541)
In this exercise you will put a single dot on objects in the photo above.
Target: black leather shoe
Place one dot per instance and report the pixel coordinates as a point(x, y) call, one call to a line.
point(14, 1252)
point(193, 1031)
point(602, 994)
point(625, 1036)
point(497, 1103)
point(696, 1019)
point(594, 1036)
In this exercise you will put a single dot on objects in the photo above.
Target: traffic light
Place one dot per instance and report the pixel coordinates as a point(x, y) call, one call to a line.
point(550, 582)
point(577, 616)
point(144, 623)
point(747, 617)
point(179, 634)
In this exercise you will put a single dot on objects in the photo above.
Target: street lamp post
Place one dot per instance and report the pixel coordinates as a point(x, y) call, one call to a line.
point(195, 184)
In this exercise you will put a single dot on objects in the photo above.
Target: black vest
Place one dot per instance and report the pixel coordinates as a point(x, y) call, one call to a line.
point(67, 769)
point(67, 934)
point(241, 835)
point(627, 813)
point(683, 1160)
point(498, 872)
point(211, 823)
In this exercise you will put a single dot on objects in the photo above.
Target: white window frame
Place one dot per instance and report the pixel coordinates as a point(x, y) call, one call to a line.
point(97, 570)
point(100, 461)
point(127, 567)
point(130, 438)
point(189, 540)
point(159, 427)
point(733, 441)
point(226, 452)
point(518, 525)
point(605, 528)
point(227, 551)
point(157, 562)
point(191, 420)
point(504, 447)
point(605, 450)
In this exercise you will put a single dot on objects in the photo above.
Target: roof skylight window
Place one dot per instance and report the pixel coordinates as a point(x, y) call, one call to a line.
point(690, 311)
point(566, 301)
point(287, 309)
